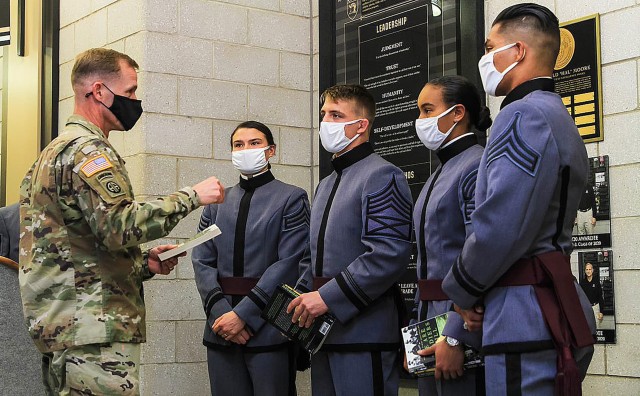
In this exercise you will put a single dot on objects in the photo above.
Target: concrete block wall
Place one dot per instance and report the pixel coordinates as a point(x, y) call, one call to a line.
point(205, 66)
point(614, 369)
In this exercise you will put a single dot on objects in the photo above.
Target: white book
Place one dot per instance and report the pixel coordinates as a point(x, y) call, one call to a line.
point(208, 233)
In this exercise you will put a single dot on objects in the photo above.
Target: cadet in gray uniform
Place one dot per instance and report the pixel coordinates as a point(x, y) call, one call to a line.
point(265, 230)
point(449, 108)
point(359, 247)
point(516, 261)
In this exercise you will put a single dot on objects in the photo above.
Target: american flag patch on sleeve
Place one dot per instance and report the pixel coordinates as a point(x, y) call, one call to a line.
point(95, 165)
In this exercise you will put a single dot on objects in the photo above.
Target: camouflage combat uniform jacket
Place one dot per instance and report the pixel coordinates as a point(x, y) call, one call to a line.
point(81, 268)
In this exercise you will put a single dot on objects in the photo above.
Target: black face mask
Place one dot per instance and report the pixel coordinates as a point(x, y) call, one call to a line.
point(127, 111)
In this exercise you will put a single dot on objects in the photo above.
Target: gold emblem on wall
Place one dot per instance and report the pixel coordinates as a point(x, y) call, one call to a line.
point(352, 9)
point(567, 48)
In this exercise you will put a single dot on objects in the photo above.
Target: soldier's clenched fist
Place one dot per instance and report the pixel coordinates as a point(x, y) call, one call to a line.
point(210, 191)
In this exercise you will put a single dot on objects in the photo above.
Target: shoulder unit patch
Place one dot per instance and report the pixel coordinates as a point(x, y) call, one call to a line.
point(511, 146)
point(388, 213)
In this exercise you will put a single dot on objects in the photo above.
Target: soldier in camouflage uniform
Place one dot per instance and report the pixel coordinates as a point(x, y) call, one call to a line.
point(81, 267)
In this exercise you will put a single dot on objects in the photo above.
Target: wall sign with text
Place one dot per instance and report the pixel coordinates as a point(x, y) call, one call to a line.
point(578, 75)
point(5, 22)
point(393, 48)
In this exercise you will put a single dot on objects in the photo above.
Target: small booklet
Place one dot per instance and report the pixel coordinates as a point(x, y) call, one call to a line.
point(276, 314)
point(208, 233)
point(422, 335)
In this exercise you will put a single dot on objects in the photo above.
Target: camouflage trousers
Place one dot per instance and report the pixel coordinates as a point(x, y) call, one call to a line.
point(96, 369)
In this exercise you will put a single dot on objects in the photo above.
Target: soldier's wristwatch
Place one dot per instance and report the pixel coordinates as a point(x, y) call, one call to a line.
point(452, 341)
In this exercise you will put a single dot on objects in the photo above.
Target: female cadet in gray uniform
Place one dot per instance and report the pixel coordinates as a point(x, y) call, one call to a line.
point(449, 108)
point(265, 229)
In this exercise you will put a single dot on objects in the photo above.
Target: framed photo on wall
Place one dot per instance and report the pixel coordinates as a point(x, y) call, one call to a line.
point(592, 228)
point(595, 270)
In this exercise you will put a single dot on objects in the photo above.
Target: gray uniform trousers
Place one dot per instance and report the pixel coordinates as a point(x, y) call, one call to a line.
point(354, 373)
point(236, 372)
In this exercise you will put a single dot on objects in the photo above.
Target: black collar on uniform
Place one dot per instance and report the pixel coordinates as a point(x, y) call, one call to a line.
point(456, 148)
point(524, 89)
point(256, 181)
point(352, 156)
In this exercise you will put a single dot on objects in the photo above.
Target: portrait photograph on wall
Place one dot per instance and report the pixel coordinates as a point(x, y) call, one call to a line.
point(596, 279)
point(592, 228)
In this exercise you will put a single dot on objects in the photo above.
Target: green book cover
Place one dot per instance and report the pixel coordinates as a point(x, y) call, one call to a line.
point(421, 335)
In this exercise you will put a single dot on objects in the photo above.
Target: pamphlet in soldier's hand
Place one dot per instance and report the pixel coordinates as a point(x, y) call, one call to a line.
point(208, 233)
point(422, 335)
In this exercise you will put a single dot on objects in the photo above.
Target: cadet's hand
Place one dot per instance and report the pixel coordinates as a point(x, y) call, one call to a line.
point(162, 267)
point(472, 317)
point(405, 364)
point(449, 359)
point(228, 325)
point(306, 308)
point(242, 337)
point(210, 191)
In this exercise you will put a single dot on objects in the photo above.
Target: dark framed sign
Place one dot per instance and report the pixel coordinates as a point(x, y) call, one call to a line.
point(596, 279)
point(578, 75)
point(393, 48)
point(5, 22)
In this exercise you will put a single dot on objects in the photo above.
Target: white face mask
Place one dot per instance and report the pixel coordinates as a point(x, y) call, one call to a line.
point(332, 135)
point(250, 161)
point(491, 77)
point(429, 133)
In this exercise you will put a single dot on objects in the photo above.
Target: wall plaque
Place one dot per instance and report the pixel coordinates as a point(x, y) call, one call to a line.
point(577, 75)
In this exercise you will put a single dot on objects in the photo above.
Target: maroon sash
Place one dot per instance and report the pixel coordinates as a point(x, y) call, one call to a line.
point(551, 277)
point(431, 290)
point(235, 286)
point(319, 282)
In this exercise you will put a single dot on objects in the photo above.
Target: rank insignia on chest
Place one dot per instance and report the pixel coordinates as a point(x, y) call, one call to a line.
point(95, 165)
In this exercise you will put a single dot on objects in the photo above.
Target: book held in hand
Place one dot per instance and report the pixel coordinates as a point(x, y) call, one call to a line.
point(276, 314)
point(422, 335)
point(208, 233)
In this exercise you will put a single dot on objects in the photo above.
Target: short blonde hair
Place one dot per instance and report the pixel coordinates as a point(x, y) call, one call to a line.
point(102, 62)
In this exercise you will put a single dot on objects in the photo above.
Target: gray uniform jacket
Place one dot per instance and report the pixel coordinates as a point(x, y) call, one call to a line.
point(9, 231)
point(265, 229)
point(443, 224)
point(530, 179)
point(360, 237)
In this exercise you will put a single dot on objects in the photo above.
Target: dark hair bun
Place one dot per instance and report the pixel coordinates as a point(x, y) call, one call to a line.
point(484, 119)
